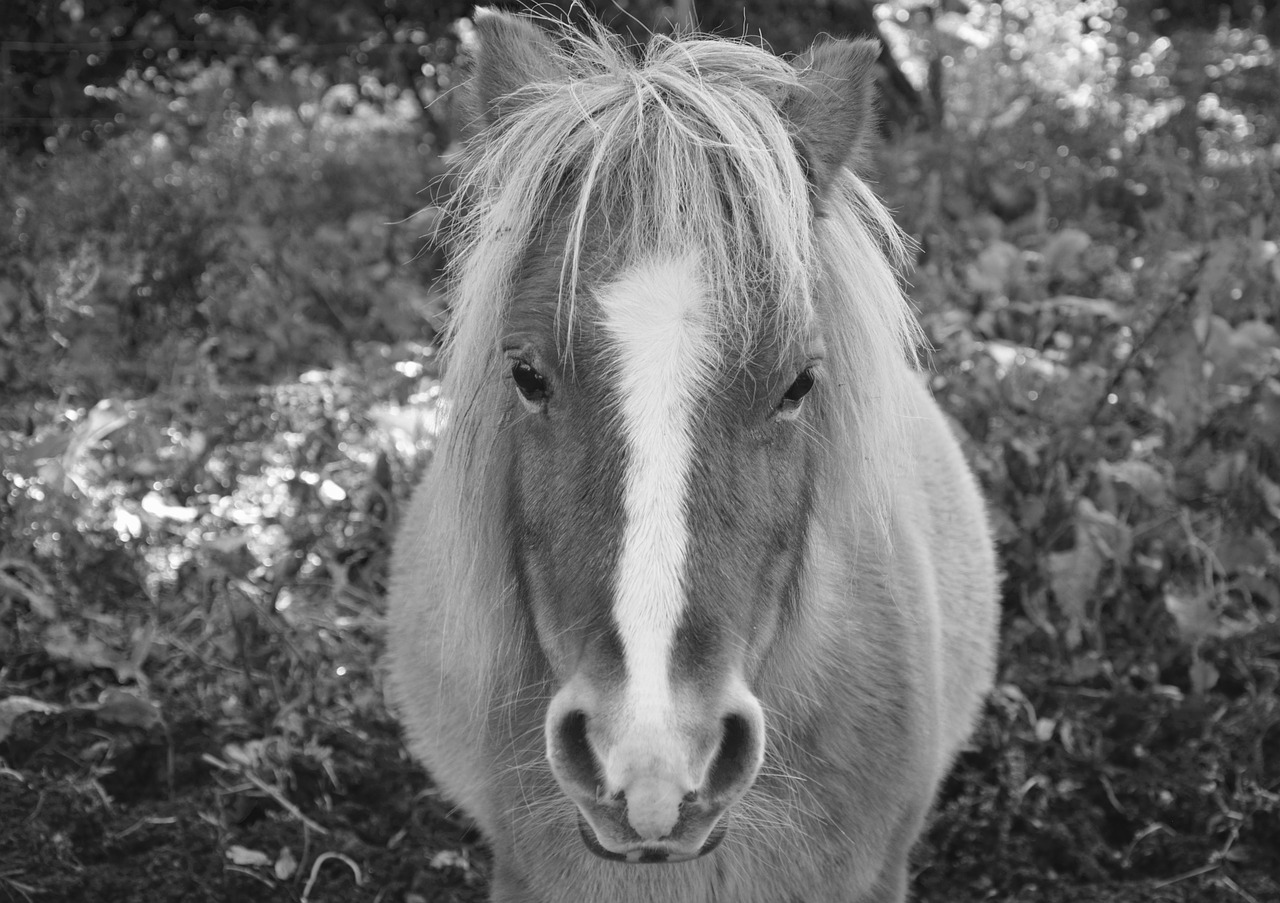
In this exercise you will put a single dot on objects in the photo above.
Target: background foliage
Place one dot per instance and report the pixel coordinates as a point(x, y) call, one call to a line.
point(218, 309)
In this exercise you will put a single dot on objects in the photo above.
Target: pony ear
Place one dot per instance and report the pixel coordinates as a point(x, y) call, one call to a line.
point(511, 54)
point(832, 113)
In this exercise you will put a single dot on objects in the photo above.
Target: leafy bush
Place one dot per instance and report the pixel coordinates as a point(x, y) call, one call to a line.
point(215, 345)
point(273, 246)
point(71, 67)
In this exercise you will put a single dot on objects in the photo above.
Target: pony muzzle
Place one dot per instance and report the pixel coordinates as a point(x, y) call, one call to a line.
point(651, 793)
point(649, 854)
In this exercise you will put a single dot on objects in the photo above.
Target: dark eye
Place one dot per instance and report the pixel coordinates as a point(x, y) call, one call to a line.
point(531, 383)
point(798, 390)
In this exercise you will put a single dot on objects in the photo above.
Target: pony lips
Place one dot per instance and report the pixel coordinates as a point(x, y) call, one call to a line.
point(698, 576)
point(647, 855)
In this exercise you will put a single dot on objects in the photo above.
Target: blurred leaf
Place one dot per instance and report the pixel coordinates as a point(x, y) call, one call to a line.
point(1244, 551)
point(1094, 307)
point(116, 706)
point(286, 865)
point(25, 458)
point(1181, 387)
point(244, 856)
point(446, 859)
point(229, 555)
point(61, 643)
point(1074, 574)
point(1194, 613)
point(1243, 355)
point(1109, 534)
point(1223, 474)
point(1143, 478)
point(155, 505)
point(1216, 271)
point(14, 707)
point(25, 581)
point(103, 419)
point(1204, 676)
point(1270, 496)
point(1063, 250)
point(994, 269)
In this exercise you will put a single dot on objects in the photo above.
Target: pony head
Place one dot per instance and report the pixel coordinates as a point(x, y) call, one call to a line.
point(671, 324)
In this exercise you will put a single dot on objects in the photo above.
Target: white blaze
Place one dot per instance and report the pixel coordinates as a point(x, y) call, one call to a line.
point(656, 315)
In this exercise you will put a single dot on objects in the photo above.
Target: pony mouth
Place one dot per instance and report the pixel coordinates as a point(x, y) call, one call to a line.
point(649, 854)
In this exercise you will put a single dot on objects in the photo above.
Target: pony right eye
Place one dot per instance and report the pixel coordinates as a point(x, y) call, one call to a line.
point(531, 384)
point(793, 398)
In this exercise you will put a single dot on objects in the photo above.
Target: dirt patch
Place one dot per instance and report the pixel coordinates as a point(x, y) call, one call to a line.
point(136, 818)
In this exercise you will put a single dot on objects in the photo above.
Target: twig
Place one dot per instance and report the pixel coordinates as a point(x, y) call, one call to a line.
point(252, 874)
point(1231, 885)
point(25, 889)
point(1141, 836)
point(1194, 873)
point(315, 872)
point(266, 788)
point(1131, 358)
point(143, 823)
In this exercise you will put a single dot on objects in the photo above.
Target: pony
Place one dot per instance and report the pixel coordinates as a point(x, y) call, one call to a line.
point(697, 599)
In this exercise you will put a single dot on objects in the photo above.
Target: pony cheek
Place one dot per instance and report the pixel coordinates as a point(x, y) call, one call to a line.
point(561, 576)
point(781, 558)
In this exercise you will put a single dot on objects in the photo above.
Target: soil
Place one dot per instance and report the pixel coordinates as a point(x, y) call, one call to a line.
point(142, 815)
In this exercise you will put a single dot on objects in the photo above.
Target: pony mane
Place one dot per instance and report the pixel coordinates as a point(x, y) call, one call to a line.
point(683, 150)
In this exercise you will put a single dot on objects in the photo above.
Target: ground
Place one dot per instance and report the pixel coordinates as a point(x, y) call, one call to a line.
point(219, 356)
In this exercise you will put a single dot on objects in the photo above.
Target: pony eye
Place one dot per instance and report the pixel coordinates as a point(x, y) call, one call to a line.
point(531, 383)
point(798, 390)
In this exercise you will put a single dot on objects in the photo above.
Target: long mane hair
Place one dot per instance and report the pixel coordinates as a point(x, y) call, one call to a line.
point(683, 149)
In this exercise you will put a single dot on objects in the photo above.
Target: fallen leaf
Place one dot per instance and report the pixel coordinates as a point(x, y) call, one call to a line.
point(450, 859)
point(244, 856)
point(16, 706)
point(24, 580)
point(1204, 676)
point(286, 865)
point(1143, 478)
point(61, 643)
point(1181, 389)
point(1092, 307)
point(1193, 613)
point(994, 269)
point(116, 706)
point(1270, 495)
point(1062, 252)
point(1073, 576)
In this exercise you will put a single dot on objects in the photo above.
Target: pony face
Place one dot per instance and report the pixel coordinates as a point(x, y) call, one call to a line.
point(661, 486)
point(663, 391)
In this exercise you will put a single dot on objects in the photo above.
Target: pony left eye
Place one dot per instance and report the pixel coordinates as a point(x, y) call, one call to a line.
point(531, 384)
point(792, 398)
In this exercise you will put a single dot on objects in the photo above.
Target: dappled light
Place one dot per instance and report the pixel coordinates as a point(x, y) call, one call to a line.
point(221, 311)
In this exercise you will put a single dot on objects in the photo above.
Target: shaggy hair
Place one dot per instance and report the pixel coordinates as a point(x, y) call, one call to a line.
point(685, 149)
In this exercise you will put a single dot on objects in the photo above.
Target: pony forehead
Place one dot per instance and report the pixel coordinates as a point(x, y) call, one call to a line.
point(682, 151)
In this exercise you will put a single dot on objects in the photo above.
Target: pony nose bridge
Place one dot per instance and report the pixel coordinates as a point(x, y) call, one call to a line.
point(648, 755)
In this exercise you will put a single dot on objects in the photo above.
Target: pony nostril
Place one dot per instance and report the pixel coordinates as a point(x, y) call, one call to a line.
point(734, 765)
point(576, 758)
